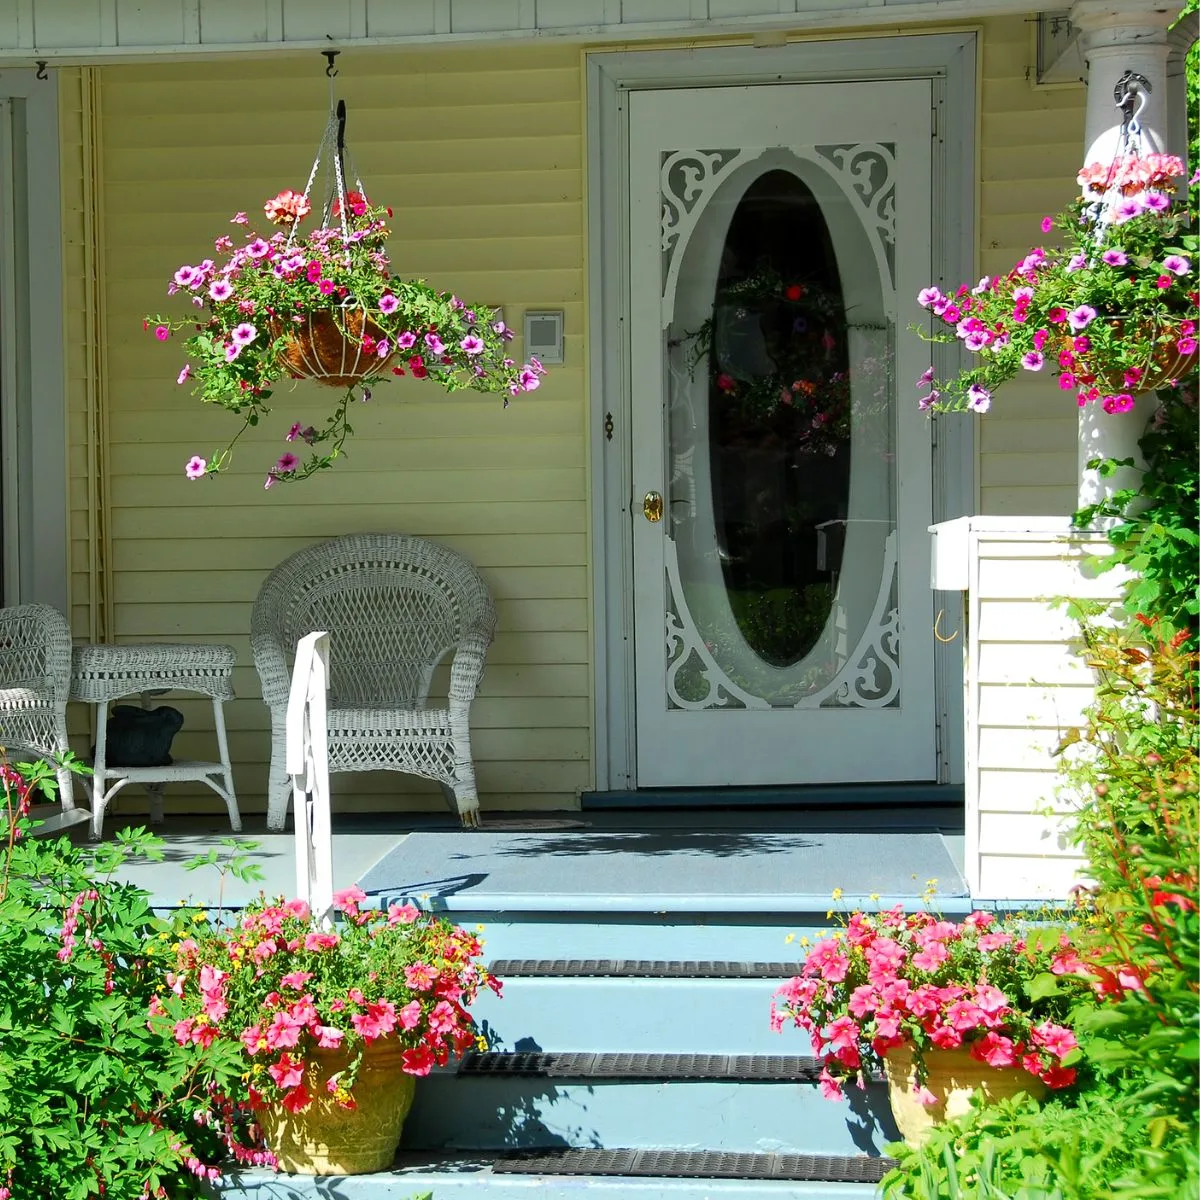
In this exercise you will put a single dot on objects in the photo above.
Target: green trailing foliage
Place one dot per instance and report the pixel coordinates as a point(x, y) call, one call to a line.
point(1129, 1130)
point(95, 1098)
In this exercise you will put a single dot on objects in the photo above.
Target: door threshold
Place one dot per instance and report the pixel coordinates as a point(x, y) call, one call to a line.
point(856, 795)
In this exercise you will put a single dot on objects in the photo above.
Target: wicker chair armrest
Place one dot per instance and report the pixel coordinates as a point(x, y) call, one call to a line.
point(271, 664)
point(466, 671)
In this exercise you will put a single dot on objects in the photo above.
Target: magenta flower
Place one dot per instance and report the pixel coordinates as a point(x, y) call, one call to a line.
point(1077, 263)
point(1039, 338)
point(244, 334)
point(1130, 207)
point(232, 350)
point(1033, 360)
point(406, 340)
point(929, 401)
point(325, 287)
point(1115, 258)
point(388, 303)
point(528, 380)
point(296, 431)
point(223, 243)
point(220, 289)
point(1081, 317)
point(925, 377)
point(238, 219)
point(183, 375)
point(435, 343)
point(162, 332)
point(384, 348)
point(286, 462)
point(926, 298)
point(1186, 345)
point(196, 467)
point(472, 344)
point(1156, 201)
point(1177, 264)
point(1047, 224)
point(186, 276)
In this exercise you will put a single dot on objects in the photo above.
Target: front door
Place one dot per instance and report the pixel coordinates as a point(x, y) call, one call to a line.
point(783, 623)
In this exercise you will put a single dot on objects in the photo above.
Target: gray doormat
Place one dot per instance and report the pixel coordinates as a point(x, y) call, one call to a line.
point(676, 869)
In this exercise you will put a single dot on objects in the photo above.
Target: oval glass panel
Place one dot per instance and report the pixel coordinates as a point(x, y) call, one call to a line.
point(779, 407)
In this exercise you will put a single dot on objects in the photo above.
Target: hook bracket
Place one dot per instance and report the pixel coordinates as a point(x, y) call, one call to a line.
point(330, 55)
point(41, 69)
point(1130, 94)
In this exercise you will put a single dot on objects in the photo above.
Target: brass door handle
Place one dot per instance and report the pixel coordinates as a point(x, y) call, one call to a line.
point(652, 507)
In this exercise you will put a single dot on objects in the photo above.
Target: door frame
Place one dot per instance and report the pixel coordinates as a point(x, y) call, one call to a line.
point(949, 61)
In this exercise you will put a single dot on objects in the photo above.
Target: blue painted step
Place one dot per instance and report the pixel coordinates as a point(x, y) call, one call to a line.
point(454, 1111)
point(723, 1016)
point(474, 1179)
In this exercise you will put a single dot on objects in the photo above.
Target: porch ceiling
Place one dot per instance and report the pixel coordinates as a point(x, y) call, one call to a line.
point(82, 31)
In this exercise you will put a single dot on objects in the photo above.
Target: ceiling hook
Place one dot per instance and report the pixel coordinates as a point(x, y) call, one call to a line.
point(330, 55)
point(41, 69)
point(1130, 90)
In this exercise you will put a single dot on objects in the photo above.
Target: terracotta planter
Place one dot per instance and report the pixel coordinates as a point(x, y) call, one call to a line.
point(326, 347)
point(327, 1139)
point(953, 1076)
point(1165, 366)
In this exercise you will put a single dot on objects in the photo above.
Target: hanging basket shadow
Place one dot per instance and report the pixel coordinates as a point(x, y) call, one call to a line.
point(327, 347)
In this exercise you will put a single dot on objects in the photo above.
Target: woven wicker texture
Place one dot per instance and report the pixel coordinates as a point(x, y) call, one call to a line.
point(100, 673)
point(394, 607)
point(35, 678)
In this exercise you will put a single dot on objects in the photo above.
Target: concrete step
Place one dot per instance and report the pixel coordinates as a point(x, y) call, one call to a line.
point(722, 1016)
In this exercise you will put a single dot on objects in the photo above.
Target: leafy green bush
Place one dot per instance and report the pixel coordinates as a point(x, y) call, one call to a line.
point(1129, 1132)
point(95, 1099)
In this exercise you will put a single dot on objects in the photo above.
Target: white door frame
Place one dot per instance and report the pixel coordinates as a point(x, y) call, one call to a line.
point(33, 428)
point(949, 60)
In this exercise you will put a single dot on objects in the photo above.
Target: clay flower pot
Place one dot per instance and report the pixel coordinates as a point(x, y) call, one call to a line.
point(327, 347)
point(953, 1076)
point(327, 1138)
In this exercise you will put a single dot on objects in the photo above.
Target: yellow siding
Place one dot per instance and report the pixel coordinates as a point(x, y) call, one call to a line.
point(1031, 144)
point(483, 166)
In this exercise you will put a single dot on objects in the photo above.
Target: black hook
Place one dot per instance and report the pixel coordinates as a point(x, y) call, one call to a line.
point(330, 55)
point(1127, 90)
point(341, 136)
point(41, 69)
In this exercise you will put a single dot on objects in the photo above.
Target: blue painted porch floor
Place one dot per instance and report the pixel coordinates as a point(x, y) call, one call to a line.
point(601, 861)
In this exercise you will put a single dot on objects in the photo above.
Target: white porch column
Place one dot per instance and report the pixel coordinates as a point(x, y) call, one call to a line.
point(1118, 36)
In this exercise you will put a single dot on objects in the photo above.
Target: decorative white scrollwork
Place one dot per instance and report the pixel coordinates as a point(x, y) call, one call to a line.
point(684, 643)
point(859, 684)
point(868, 172)
point(688, 178)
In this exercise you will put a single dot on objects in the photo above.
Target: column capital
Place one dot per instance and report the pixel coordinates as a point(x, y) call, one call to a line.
point(1122, 22)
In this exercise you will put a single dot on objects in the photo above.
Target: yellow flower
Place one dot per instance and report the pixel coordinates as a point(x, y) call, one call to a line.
point(805, 942)
point(874, 897)
point(791, 937)
point(837, 893)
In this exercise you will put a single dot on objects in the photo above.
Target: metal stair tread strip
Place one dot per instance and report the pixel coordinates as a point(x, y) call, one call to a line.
point(640, 968)
point(643, 1066)
point(697, 1164)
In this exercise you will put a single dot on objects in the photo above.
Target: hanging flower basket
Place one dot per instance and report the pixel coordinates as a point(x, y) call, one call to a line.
point(1162, 363)
point(953, 1077)
point(335, 347)
point(327, 1137)
point(325, 307)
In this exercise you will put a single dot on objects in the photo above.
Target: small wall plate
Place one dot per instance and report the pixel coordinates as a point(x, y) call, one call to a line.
point(544, 335)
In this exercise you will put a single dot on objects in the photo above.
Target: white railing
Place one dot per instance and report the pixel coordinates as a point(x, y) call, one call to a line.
point(307, 762)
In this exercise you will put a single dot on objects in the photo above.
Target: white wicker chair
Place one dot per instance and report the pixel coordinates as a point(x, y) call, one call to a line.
point(35, 679)
point(394, 606)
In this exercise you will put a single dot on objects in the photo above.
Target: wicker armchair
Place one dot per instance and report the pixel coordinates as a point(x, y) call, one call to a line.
point(394, 606)
point(35, 678)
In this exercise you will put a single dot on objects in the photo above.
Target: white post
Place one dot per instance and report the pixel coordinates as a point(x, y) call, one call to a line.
point(307, 762)
point(1118, 36)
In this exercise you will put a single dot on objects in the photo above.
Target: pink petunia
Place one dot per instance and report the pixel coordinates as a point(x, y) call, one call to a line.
point(1033, 360)
point(287, 1072)
point(162, 332)
point(831, 1089)
point(1186, 345)
point(286, 462)
point(296, 979)
point(258, 248)
point(283, 1032)
point(244, 334)
point(1047, 224)
point(1177, 264)
point(471, 344)
point(435, 343)
point(1081, 317)
point(1115, 258)
point(348, 899)
point(196, 467)
point(220, 289)
point(388, 304)
point(979, 399)
point(926, 298)
point(320, 941)
point(1059, 1040)
point(420, 976)
point(410, 1015)
point(328, 1037)
point(238, 219)
point(325, 287)
point(994, 1049)
point(402, 914)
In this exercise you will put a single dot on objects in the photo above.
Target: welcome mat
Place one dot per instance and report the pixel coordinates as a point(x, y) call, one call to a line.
point(639, 870)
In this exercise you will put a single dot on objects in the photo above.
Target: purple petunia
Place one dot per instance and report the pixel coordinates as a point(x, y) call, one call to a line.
point(435, 343)
point(244, 334)
point(1115, 258)
point(196, 467)
point(471, 344)
point(1033, 360)
point(406, 340)
point(220, 289)
point(1177, 264)
point(388, 303)
point(1081, 317)
point(979, 398)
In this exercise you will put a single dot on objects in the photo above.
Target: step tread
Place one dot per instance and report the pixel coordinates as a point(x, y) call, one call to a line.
point(698, 1164)
point(643, 968)
point(790, 1068)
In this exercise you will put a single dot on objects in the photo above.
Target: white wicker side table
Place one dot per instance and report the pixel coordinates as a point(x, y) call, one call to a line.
point(100, 674)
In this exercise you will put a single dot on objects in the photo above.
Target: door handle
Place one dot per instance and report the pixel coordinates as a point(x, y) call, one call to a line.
point(652, 507)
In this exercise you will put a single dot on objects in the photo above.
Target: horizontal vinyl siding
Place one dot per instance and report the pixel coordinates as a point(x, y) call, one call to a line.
point(483, 168)
point(1031, 687)
point(1031, 144)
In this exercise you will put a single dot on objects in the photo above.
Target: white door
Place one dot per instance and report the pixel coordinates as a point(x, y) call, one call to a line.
point(779, 234)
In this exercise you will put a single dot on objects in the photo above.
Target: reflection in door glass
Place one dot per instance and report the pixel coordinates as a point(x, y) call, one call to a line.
point(779, 403)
